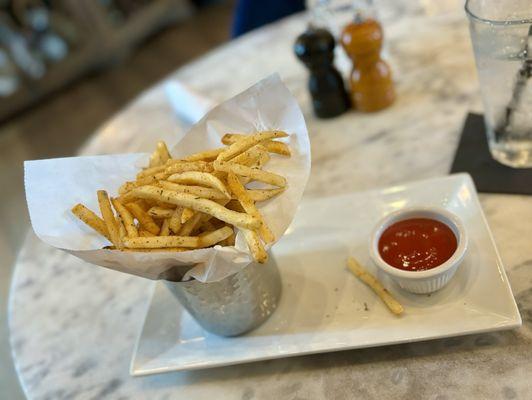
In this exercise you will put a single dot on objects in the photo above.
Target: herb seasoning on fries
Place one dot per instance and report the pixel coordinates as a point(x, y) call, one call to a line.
point(196, 201)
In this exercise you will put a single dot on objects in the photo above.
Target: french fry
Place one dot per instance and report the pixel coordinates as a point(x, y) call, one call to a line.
point(175, 220)
point(264, 157)
point(145, 220)
point(208, 155)
point(247, 142)
point(253, 173)
point(143, 204)
point(394, 306)
point(121, 228)
point(126, 217)
point(186, 215)
point(155, 159)
point(271, 145)
point(183, 166)
point(151, 171)
point(276, 147)
point(198, 204)
point(126, 187)
point(164, 154)
point(91, 219)
point(164, 249)
point(230, 138)
point(165, 228)
point(162, 241)
point(160, 155)
point(109, 218)
point(150, 179)
point(211, 238)
point(264, 194)
point(160, 212)
point(201, 179)
point(249, 206)
point(188, 227)
point(145, 180)
point(198, 191)
point(255, 246)
point(179, 204)
point(251, 156)
point(127, 197)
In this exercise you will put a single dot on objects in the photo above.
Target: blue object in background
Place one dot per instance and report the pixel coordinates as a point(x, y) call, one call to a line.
point(251, 14)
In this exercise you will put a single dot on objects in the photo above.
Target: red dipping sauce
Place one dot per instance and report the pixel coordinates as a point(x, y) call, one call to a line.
point(417, 244)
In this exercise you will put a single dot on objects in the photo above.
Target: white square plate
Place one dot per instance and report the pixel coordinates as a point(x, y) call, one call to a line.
point(325, 308)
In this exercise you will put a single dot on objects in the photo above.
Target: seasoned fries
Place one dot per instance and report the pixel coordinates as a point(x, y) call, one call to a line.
point(160, 212)
point(208, 155)
point(146, 222)
point(91, 219)
point(160, 155)
point(183, 166)
point(175, 220)
point(253, 173)
point(255, 246)
point(264, 194)
point(186, 214)
point(246, 143)
point(211, 238)
point(201, 179)
point(193, 202)
point(249, 206)
point(394, 306)
point(198, 204)
point(162, 241)
point(199, 191)
point(271, 145)
point(190, 225)
point(126, 217)
point(109, 218)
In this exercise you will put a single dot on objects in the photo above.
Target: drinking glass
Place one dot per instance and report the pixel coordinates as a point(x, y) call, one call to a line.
point(501, 33)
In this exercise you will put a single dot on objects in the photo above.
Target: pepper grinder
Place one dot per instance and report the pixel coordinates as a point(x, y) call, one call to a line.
point(371, 78)
point(315, 48)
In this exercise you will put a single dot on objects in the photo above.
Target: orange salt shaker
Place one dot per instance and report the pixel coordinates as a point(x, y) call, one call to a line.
point(371, 78)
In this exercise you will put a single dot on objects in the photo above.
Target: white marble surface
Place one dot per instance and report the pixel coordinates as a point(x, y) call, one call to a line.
point(73, 325)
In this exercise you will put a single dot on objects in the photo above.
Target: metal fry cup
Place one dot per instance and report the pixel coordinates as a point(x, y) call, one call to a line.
point(234, 305)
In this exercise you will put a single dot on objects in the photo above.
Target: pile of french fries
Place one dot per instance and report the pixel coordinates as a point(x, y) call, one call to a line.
point(196, 201)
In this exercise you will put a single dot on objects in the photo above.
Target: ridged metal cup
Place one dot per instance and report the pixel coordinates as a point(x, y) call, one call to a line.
point(234, 305)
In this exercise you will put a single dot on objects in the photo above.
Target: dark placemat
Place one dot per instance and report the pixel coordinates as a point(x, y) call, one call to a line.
point(473, 156)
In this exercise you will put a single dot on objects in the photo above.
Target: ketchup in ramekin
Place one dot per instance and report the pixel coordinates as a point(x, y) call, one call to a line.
point(417, 244)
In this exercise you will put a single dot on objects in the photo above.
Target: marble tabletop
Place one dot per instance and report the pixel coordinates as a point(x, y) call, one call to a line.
point(73, 325)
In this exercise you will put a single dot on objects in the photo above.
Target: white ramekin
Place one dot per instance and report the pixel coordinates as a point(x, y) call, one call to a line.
point(421, 281)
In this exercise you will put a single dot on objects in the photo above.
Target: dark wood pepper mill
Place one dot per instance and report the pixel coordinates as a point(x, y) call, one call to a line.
point(315, 48)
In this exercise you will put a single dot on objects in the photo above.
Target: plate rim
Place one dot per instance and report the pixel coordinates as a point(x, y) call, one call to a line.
point(511, 322)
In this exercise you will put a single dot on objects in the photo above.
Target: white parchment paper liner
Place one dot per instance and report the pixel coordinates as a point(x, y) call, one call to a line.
point(54, 186)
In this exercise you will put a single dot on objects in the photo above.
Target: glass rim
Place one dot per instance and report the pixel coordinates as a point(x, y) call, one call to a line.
point(473, 16)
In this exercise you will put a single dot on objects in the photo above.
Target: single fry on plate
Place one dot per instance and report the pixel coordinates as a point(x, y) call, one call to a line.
point(394, 306)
